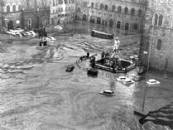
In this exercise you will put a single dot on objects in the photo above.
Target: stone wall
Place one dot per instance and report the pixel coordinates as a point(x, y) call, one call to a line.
point(110, 15)
point(159, 33)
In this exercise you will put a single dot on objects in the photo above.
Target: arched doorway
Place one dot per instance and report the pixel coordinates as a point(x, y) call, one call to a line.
point(84, 17)
point(118, 24)
point(126, 26)
point(10, 25)
point(111, 23)
point(98, 20)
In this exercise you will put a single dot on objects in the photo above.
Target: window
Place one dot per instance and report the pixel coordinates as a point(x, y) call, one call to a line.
point(155, 19)
point(159, 44)
point(53, 2)
point(65, 1)
point(135, 26)
point(78, 10)
point(60, 1)
point(84, 4)
point(14, 8)
point(119, 9)
point(106, 7)
point(8, 8)
point(111, 23)
point(132, 11)
point(160, 20)
point(118, 24)
point(113, 8)
point(72, 1)
point(96, 5)
point(126, 10)
point(139, 12)
point(20, 7)
point(126, 26)
point(101, 6)
point(92, 5)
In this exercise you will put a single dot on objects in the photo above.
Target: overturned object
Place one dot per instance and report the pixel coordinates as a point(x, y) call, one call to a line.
point(70, 68)
point(92, 72)
point(107, 92)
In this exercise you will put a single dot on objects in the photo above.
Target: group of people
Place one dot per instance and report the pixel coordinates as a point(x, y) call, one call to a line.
point(42, 34)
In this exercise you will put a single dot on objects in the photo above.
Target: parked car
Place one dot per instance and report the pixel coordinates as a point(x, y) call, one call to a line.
point(58, 27)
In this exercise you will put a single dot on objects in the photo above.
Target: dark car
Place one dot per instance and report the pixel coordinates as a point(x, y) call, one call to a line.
point(107, 92)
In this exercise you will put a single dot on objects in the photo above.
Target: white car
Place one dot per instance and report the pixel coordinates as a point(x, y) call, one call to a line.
point(107, 92)
point(14, 33)
point(125, 80)
point(32, 33)
point(19, 30)
point(50, 38)
point(11, 32)
point(153, 82)
point(58, 27)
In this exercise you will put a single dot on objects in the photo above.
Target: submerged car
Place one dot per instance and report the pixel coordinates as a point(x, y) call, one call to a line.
point(153, 82)
point(125, 80)
point(107, 92)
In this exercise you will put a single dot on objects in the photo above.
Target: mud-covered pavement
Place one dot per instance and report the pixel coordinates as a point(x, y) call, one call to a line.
point(37, 94)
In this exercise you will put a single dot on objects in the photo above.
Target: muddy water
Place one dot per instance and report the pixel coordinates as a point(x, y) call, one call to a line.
point(37, 94)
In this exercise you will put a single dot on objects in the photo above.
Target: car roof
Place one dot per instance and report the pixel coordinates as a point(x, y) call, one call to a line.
point(108, 91)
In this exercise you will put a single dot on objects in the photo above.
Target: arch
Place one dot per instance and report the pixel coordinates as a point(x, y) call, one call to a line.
point(160, 20)
point(84, 18)
point(132, 11)
point(118, 24)
point(8, 8)
point(14, 8)
point(126, 10)
point(113, 7)
point(106, 7)
point(127, 26)
point(111, 22)
point(159, 44)
point(98, 20)
point(139, 12)
point(119, 9)
point(155, 19)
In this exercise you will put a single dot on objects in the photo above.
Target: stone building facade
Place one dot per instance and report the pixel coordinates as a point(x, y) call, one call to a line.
point(122, 15)
point(11, 12)
point(62, 11)
point(35, 14)
point(25, 13)
point(156, 45)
